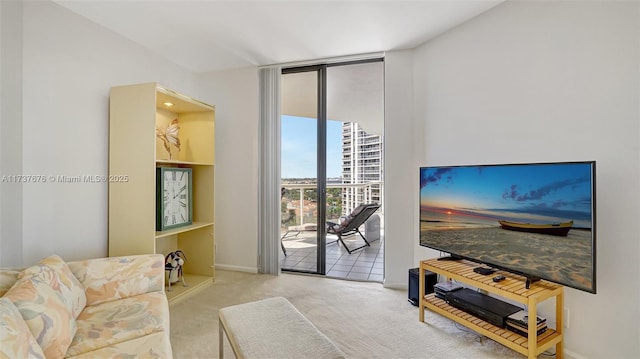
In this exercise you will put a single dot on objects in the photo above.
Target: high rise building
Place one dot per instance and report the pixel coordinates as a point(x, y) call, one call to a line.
point(361, 164)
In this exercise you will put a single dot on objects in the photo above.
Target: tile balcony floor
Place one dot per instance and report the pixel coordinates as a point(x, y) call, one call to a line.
point(364, 264)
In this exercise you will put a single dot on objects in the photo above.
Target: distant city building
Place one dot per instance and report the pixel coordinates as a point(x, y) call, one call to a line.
point(361, 163)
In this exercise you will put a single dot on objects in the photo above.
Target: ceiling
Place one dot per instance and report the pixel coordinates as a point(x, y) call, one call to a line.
point(209, 35)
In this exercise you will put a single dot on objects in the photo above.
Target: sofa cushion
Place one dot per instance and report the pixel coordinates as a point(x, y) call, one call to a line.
point(16, 341)
point(115, 322)
point(113, 278)
point(40, 294)
point(70, 288)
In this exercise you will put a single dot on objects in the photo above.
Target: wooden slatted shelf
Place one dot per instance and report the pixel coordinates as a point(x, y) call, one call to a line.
point(513, 287)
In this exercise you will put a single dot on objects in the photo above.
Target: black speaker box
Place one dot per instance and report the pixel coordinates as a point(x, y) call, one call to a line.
point(430, 279)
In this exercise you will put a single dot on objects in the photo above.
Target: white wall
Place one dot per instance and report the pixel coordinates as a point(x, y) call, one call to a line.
point(10, 132)
point(541, 82)
point(69, 64)
point(235, 95)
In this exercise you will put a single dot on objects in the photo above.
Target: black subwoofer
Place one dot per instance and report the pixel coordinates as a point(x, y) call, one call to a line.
point(430, 279)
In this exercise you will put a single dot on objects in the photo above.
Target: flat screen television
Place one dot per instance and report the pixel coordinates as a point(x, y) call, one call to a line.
point(537, 220)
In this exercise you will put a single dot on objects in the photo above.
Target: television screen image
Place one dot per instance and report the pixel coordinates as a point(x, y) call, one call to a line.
point(536, 220)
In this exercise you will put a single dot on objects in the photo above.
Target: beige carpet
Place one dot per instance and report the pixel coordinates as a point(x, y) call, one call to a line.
point(365, 320)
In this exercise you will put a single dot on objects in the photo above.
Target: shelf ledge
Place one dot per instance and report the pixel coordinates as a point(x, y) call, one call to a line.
point(196, 284)
point(186, 163)
point(191, 227)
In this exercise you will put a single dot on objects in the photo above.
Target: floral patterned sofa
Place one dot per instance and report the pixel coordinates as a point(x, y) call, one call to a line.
point(96, 308)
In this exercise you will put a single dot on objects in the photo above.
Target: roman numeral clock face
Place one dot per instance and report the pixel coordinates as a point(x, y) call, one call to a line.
point(176, 198)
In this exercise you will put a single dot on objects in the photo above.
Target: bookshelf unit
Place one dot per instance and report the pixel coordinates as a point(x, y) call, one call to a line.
point(513, 288)
point(134, 154)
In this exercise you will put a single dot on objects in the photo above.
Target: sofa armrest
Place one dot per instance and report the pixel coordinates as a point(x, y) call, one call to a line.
point(107, 279)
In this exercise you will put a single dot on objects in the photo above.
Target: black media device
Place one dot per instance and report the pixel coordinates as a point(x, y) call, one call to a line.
point(441, 289)
point(430, 279)
point(482, 306)
point(483, 270)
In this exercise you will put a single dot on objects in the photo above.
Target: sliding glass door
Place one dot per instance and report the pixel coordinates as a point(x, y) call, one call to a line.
point(331, 163)
point(303, 134)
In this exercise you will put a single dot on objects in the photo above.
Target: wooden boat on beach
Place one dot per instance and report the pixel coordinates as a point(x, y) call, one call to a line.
point(556, 229)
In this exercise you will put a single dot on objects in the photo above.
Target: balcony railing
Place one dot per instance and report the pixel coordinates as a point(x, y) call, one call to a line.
point(306, 209)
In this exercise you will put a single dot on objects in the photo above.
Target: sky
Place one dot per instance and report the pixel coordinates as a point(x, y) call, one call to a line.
point(538, 193)
point(299, 145)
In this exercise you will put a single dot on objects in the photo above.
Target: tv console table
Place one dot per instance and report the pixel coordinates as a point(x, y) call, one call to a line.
point(513, 287)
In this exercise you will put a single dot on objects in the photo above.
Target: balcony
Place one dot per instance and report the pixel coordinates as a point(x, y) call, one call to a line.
point(300, 211)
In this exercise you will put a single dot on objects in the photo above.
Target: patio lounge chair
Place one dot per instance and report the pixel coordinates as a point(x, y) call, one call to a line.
point(351, 224)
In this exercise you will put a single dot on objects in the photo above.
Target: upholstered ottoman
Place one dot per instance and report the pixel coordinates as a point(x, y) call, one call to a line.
point(273, 328)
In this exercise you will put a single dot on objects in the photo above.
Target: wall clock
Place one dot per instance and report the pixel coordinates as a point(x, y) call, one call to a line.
point(174, 195)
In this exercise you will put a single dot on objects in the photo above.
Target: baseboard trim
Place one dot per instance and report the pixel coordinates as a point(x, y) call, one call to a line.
point(237, 268)
point(396, 285)
point(573, 355)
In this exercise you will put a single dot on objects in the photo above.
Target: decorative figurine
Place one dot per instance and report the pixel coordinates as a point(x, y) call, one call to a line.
point(169, 136)
point(173, 263)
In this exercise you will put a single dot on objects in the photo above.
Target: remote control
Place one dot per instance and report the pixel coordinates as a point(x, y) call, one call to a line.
point(499, 278)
